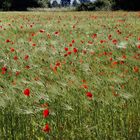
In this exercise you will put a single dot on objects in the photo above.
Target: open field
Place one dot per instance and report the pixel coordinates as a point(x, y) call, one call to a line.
point(70, 76)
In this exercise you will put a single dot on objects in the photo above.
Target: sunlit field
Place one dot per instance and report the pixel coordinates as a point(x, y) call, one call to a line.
point(70, 76)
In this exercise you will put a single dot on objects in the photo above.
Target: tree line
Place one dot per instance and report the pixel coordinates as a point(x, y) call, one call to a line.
point(85, 5)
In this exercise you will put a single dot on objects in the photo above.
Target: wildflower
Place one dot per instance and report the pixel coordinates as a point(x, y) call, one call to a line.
point(27, 67)
point(66, 49)
point(75, 50)
point(12, 49)
point(69, 53)
point(7, 41)
point(41, 31)
point(136, 69)
point(17, 73)
point(111, 59)
point(45, 113)
point(110, 37)
point(15, 58)
point(70, 45)
point(34, 45)
point(88, 94)
point(58, 64)
point(84, 86)
point(26, 57)
point(46, 128)
point(27, 92)
point(138, 46)
point(114, 63)
point(4, 69)
point(56, 32)
point(73, 41)
point(115, 41)
point(94, 36)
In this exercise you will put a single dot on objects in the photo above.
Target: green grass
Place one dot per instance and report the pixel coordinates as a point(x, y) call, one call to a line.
point(108, 70)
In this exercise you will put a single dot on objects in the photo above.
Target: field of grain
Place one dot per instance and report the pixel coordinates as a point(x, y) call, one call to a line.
point(70, 76)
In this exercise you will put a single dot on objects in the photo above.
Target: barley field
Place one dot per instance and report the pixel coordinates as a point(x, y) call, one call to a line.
point(70, 75)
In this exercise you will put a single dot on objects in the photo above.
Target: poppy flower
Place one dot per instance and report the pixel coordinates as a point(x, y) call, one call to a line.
point(66, 49)
point(75, 50)
point(85, 86)
point(110, 37)
point(4, 69)
point(138, 46)
point(114, 63)
point(7, 41)
point(41, 31)
point(58, 64)
point(115, 41)
point(27, 92)
point(34, 45)
point(26, 57)
point(69, 53)
point(45, 113)
point(94, 35)
point(73, 41)
point(88, 94)
point(27, 67)
point(136, 69)
point(12, 49)
point(17, 73)
point(15, 58)
point(56, 33)
point(46, 128)
point(111, 59)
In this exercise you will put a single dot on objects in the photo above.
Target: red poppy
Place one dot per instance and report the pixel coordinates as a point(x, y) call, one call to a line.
point(12, 49)
point(138, 46)
point(115, 41)
point(85, 86)
point(4, 69)
point(17, 73)
point(75, 50)
point(27, 67)
point(88, 94)
point(42, 31)
point(34, 45)
point(46, 128)
point(94, 35)
point(73, 41)
point(15, 58)
point(110, 37)
point(26, 57)
point(66, 49)
point(45, 113)
point(58, 64)
point(114, 63)
point(69, 53)
point(136, 69)
point(7, 41)
point(111, 59)
point(56, 33)
point(27, 92)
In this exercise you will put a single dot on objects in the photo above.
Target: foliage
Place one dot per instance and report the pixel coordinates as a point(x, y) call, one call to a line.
point(5, 4)
point(85, 5)
point(130, 5)
point(43, 3)
point(95, 6)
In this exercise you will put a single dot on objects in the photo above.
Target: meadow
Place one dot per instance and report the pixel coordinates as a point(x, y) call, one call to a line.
point(70, 75)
